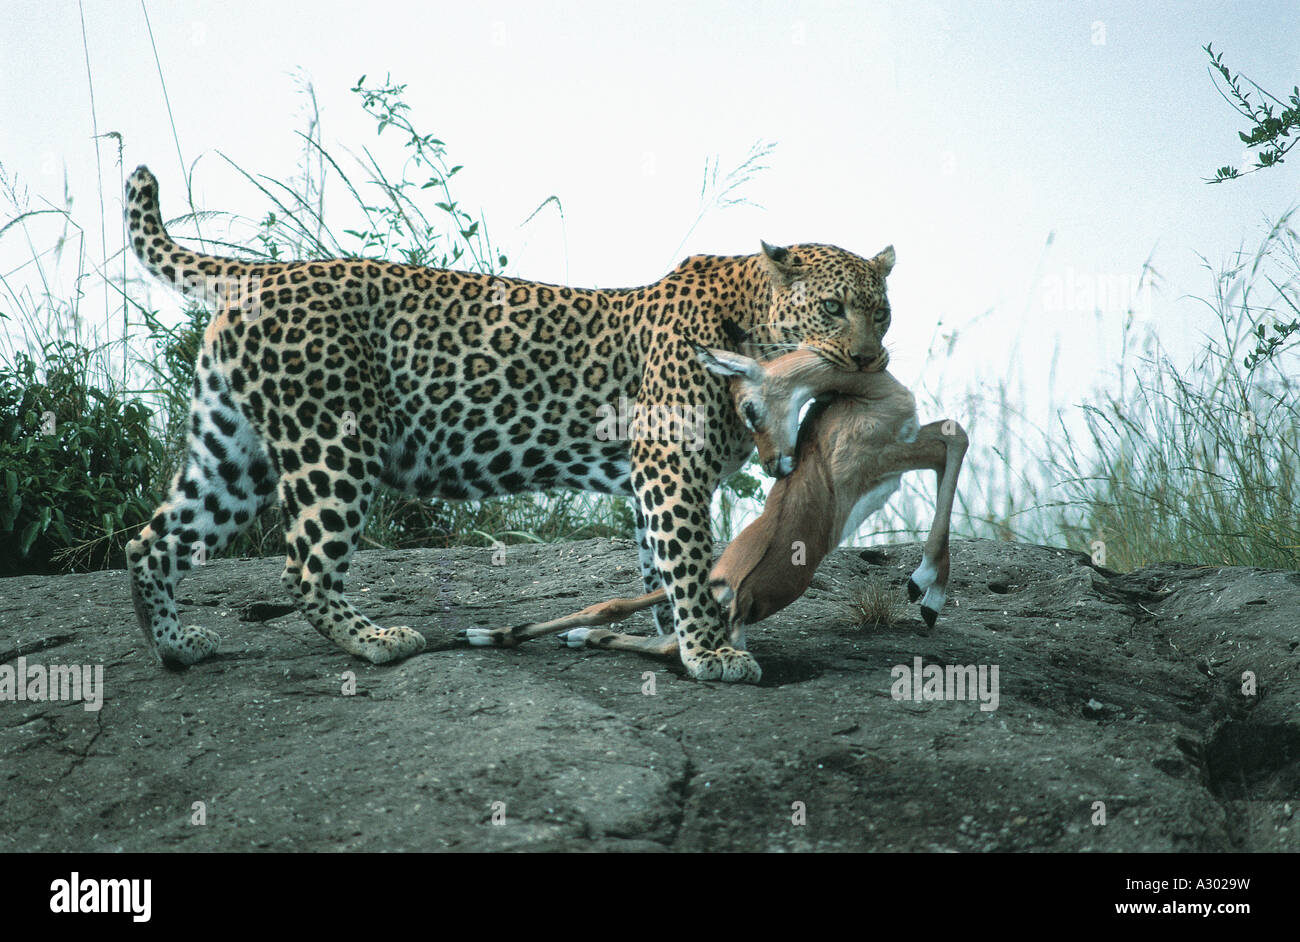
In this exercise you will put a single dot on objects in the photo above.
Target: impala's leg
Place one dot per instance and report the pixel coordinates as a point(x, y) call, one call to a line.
point(654, 645)
point(931, 577)
point(601, 613)
point(576, 635)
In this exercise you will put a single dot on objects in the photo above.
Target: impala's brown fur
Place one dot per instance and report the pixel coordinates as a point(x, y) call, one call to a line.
point(834, 472)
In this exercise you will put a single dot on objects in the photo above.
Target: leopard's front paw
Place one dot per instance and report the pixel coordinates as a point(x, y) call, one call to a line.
point(383, 645)
point(193, 645)
point(726, 664)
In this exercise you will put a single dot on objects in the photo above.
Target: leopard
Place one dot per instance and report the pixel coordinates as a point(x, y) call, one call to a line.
point(318, 381)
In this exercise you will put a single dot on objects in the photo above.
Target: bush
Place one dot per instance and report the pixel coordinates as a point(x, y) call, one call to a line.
point(78, 463)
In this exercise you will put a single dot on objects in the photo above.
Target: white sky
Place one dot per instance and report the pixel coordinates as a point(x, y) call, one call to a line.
point(963, 133)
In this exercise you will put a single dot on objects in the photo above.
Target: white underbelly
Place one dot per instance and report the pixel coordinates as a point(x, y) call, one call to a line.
point(871, 501)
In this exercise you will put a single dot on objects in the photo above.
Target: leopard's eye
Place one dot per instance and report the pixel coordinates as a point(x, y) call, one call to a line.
point(833, 307)
point(882, 315)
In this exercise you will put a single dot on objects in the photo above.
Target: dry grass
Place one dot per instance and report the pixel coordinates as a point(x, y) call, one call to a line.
point(875, 604)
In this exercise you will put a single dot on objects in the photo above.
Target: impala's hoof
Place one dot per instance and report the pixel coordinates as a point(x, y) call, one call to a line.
point(480, 637)
point(575, 637)
point(930, 615)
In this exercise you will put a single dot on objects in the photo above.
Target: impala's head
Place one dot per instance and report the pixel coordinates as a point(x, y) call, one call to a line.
point(769, 397)
point(830, 300)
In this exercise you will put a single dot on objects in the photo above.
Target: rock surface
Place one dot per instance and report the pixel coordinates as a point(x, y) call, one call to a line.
point(1120, 689)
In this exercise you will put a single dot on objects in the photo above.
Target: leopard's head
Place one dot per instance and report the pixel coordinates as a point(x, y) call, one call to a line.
point(829, 300)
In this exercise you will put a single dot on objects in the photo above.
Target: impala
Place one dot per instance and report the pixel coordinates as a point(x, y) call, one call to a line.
point(832, 473)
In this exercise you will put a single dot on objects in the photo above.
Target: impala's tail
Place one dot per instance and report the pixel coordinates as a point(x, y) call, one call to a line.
point(194, 275)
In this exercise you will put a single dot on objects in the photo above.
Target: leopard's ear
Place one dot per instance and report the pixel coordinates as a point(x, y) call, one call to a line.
point(885, 260)
point(780, 267)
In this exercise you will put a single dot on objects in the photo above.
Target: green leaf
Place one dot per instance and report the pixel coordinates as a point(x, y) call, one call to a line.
point(29, 535)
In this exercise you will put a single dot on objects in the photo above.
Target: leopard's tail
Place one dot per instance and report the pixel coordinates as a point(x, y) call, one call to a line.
point(194, 275)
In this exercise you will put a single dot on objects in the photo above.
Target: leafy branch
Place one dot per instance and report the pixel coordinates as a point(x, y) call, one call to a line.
point(402, 225)
point(1269, 132)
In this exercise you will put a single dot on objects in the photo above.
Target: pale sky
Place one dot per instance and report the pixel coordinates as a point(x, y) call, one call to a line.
point(962, 133)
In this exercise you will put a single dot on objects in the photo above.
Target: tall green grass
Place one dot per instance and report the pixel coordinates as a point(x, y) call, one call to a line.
point(1199, 462)
point(1193, 460)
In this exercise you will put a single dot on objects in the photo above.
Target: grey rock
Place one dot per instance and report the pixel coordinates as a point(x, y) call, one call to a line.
point(1121, 689)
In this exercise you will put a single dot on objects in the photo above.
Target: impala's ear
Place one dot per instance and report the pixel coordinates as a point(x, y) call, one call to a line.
point(726, 363)
point(885, 260)
point(779, 265)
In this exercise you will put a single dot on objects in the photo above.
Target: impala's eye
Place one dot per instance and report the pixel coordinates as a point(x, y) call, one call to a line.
point(753, 418)
point(833, 308)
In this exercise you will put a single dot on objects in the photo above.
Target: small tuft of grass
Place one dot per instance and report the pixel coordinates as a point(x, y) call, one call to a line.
point(875, 605)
